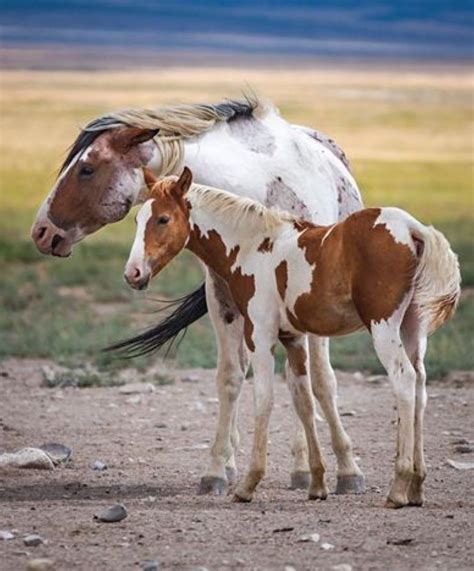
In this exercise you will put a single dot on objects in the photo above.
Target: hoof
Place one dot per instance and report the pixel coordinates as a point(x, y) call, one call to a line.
point(241, 499)
point(351, 484)
point(318, 495)
point(212, 485)
point(231, 474)
point(300, 480)
point(394, 504)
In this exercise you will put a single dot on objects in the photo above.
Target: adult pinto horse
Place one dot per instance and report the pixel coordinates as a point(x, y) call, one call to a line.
point(246, 148)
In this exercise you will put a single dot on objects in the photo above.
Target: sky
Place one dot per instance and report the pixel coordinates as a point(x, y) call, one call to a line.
point(415, 29)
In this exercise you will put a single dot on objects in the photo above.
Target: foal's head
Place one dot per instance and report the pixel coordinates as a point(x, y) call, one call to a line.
point(162, 228)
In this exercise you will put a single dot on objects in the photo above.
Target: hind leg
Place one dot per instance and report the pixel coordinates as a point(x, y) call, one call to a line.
point(391, 352)
point(415, 341)
point(232, 365)
point(350, 479)
point(300, 388)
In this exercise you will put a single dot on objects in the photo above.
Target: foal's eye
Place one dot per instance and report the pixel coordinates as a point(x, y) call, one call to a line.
point(86, 171)
point(163, 219)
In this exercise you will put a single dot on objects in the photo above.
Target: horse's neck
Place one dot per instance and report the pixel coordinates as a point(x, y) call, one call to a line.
point(217, 240)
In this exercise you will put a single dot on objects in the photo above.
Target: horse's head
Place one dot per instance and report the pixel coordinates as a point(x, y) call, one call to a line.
point(162, 228)
point(99, 183)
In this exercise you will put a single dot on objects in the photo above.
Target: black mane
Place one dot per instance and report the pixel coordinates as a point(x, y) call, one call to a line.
point(227, 111)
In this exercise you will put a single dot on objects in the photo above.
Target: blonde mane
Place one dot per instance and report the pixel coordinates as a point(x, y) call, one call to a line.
point(237, 210)
point(175, 123)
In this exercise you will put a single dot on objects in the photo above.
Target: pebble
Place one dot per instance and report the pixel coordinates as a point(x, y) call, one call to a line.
point(113, 514)
point(349, 413)
point(40, 565)
point(137, 388)
point(313, 537)
point(190, 379)
point(342, 567)
point(136, 399)
point(327, 546)
point(5, 534)
point(460, 465)
point(150, 565)
point(58, 453)
point(27, 458)
point(464, 448)
point(99, 466)
point(33, 540)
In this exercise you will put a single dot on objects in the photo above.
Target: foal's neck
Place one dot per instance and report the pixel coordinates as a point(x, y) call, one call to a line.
point(224, 226)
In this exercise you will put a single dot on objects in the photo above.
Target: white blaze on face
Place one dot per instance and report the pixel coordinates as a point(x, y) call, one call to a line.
point(137, 253)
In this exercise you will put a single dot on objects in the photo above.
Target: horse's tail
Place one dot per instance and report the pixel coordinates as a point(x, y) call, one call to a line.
point(191, 307)
point(437, 278)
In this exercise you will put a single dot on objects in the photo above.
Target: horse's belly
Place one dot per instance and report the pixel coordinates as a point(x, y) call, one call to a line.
point(325, 318)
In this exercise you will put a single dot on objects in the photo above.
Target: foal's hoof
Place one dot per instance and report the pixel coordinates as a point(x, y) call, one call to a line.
point(392, 504)
point(241, 498)
point(300, 480)
point(231, 474)
point(212, 485)
point(350, 484)
point(318, 494)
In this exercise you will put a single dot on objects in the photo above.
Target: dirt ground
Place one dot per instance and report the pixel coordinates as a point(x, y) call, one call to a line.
point(156, 446)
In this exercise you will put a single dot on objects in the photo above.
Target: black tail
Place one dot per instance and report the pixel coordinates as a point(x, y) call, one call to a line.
point(191, 307)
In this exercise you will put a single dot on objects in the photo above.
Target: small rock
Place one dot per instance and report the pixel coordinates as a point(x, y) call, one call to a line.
point(464, 448)
point(33, 540)
point(404, 541)
point(289, 568)
point(40, 565)
point(349, 413)
point(150, 565)
point(27, 458)
point(327, 546)
point(358, 376)
point(99, 466)
point(136, 399)
point(115, 513)
point(5, 534)
point(313, 537)
point(190, 379)
point(460, 465)
point(136, 388)
point(58, 453)
point(342, 567)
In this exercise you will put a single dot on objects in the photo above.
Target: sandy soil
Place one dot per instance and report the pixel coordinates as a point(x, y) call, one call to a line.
point(156, 446)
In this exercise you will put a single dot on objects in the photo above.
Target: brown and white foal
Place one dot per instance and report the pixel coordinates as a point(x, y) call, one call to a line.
point(380, 268)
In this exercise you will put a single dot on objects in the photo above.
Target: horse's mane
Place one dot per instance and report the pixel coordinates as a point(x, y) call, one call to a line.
point(237, 210)
point(175, 123)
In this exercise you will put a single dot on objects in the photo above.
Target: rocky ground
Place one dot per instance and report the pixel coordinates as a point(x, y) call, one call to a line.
point(155, 445)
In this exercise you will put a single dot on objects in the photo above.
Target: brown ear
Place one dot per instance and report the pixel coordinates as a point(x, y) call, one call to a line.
point(150, 179)
point(127, 137)
point(184, 182)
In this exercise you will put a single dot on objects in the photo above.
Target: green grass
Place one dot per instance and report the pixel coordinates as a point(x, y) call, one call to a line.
point(67, 310)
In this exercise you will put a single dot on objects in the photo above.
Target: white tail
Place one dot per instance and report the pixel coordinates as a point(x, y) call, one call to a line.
point(437, 279)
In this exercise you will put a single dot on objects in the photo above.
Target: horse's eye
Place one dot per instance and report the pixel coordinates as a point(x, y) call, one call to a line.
point(163, 219)
point(86, 171)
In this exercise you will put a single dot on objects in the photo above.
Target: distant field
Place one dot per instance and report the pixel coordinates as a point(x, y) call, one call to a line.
point(408, 135)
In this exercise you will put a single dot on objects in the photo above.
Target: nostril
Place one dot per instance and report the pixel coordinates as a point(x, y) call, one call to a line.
point(137, 273)
point(41, 232)
point(57, 239)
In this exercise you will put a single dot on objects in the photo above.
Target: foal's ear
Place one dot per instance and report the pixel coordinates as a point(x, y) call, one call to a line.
point(184, 182)
point(150, 179)
point(127, 137)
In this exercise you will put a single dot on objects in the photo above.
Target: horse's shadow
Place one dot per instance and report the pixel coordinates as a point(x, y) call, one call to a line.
point(79, 491)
